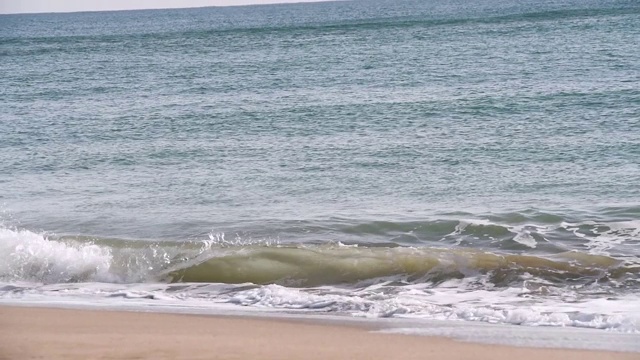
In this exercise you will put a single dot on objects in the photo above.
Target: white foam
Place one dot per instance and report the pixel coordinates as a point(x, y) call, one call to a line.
point(524, 237)
point(454, 300)
point(506, 306)
point(601, 238)
point(603, 242)
point(219, 239)
point(25, 255)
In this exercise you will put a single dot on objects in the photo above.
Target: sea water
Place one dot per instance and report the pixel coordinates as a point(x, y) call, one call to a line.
point(415, 160)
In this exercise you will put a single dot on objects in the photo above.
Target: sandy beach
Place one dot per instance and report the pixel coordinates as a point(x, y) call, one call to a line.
point(44, 333)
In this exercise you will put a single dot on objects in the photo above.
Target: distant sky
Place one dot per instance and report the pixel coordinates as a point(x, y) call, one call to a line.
point(31, 6)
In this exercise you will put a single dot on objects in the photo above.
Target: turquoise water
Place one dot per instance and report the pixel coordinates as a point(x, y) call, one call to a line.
point(403, 147)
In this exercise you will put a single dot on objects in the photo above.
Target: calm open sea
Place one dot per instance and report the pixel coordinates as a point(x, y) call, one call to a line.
point(475, 160)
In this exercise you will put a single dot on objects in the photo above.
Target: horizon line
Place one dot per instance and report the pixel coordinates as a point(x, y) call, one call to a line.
point(179, 7)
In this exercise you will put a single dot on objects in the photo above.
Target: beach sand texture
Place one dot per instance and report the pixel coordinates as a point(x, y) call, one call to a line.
point(43, 333)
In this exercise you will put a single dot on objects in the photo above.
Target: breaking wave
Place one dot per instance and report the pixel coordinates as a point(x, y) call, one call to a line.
point(36, 257)
point(480, 270)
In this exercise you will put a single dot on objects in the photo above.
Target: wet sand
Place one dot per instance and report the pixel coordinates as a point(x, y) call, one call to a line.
point(45, 333)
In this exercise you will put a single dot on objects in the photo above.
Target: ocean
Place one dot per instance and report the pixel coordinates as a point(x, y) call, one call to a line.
point(464, 161)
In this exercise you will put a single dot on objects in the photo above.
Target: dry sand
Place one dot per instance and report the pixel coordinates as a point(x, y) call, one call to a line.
point(39, 333)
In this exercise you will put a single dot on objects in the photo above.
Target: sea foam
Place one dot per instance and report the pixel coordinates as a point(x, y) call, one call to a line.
point(25, 255)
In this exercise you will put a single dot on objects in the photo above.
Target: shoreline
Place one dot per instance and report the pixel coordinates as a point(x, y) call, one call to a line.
point(64, 333)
